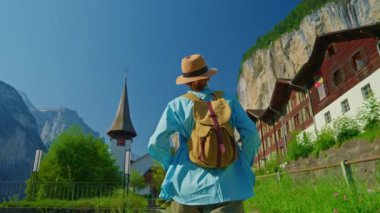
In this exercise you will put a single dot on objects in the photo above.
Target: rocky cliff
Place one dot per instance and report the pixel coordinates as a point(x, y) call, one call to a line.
point(286, 55)
point(52, 122)
point(19, 137)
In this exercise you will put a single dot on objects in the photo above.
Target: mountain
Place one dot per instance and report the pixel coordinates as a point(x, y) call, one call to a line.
point(52, 122)
point(286, 55)
point(19, 137)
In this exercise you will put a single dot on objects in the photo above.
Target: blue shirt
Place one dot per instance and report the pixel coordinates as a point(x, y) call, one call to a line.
point(190, 184)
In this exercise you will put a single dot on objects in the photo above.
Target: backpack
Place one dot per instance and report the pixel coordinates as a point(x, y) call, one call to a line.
point(212, 143)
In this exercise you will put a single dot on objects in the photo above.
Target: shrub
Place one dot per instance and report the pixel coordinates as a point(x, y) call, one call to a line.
point(324, 141)
point(299, 147)
point(272, 165)
point(345, 128)
point(369, 113)
point(371, 133)
point(137, 181)
point(158, 175)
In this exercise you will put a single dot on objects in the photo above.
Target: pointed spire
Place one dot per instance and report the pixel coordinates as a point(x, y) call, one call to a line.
point(122, 127)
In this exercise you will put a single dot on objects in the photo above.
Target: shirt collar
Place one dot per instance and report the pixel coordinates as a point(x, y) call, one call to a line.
point(206, 91)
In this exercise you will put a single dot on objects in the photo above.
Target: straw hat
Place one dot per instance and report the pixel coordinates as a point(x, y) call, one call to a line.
point(194, 68)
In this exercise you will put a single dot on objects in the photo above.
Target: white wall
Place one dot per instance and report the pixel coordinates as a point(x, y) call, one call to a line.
point(142, 165)
point(119, 153)
point(354, 97)
point(355, 100)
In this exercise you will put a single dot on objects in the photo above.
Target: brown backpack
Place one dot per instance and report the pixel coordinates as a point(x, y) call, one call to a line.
point(212, 142)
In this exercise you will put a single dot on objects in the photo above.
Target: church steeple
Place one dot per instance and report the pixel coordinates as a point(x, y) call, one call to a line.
point(122, 127)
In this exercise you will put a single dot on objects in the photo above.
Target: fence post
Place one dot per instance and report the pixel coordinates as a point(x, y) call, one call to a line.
point(347, 174)
point(278, 176)
point(72, 192)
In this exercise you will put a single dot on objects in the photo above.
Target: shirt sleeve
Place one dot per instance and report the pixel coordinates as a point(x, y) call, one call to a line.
point(247, 130)
point(159, 143)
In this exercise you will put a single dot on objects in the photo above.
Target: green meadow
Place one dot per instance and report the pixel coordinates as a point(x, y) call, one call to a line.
point(330, 194)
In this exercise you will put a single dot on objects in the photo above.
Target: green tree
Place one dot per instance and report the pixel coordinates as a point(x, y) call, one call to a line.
point(137, 181)
point(158, 175)
point(75, 157)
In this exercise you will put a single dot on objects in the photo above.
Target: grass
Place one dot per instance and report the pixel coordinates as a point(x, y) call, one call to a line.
point(133, 202)
point(370, 134)
point(325, 195)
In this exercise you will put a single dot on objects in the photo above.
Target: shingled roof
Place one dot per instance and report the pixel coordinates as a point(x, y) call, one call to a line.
point(322, 42)
point(122, 127)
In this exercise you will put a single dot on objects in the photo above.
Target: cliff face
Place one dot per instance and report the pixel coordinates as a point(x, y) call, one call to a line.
point(286, 55)
point(52, 122)
point(19, 136)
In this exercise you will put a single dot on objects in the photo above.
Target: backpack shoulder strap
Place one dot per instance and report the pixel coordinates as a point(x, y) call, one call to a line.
point(191, 96)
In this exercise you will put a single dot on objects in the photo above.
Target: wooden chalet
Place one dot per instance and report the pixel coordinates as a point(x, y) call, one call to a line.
point(344, 67)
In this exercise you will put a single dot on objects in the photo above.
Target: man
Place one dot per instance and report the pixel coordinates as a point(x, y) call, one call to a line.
point(193, 187)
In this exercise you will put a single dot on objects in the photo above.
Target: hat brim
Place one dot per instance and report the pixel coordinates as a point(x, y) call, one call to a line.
point(184, 80)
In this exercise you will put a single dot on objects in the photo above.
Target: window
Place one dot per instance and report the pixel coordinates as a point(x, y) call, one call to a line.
point(328, 117)
point(331, 50)
point(338, 77)
point(319, 84)
point(345, 106)
point(298, 99)
point(292, 126)
point(359, 60)
point(307, 113)
point(279, 133)
point(294, 101)
point(297, 119)
point(287, 127)
point(366, 91)
point(272, 140)
point(288, 108)
point(302, 96)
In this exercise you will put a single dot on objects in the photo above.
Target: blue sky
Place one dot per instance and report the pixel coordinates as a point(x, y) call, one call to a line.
point(73, 53)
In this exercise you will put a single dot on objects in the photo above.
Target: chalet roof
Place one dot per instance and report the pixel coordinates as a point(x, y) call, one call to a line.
point(122, 125)
point(281, 93)
point(255, 113)
point(304, 75)
point(280, 96)
point(283, 87)
point(143, 164)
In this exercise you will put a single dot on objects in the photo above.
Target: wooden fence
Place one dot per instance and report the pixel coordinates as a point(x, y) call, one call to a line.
point(345, 167)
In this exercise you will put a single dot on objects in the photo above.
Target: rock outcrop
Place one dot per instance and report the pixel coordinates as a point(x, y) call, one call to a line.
point(286, 55)
point(19, 137)
point(52, 122)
